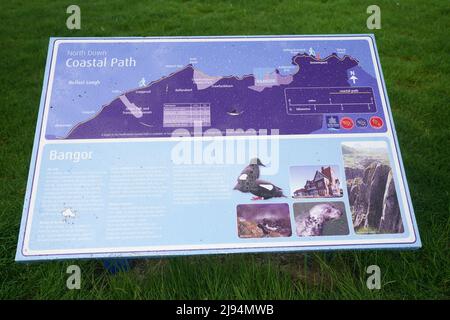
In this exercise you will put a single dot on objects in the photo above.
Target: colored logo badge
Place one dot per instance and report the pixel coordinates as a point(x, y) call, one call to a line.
point(361, 123)
point(376, 122)
point(347, 123)
point(333, 123)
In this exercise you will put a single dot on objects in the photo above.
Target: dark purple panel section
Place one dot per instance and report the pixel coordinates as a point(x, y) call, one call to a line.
point(233, 103)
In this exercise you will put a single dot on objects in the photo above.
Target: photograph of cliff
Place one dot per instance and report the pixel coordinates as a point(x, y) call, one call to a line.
point(371, 188)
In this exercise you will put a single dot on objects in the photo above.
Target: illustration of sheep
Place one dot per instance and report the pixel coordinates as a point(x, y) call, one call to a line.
point(312, 224)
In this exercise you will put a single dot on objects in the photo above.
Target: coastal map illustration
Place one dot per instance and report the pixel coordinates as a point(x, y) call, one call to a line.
point(131, 90)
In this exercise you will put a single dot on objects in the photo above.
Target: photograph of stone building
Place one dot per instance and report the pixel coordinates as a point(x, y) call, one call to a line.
point(315, 182)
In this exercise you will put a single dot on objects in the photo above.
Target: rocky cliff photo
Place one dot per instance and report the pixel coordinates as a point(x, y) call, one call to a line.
point(371, 188)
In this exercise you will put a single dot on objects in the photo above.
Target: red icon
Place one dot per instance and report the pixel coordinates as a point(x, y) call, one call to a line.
point(376, 122)
point(347, 123)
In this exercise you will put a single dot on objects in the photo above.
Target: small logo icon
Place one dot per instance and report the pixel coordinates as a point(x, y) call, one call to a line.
point(333, 122)
point(353, 77)
point(361, 123)
point(142, 83)
point(376, 122)
point(347, 123)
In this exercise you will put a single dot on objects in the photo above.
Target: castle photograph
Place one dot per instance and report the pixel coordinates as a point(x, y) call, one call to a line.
point(315, 182)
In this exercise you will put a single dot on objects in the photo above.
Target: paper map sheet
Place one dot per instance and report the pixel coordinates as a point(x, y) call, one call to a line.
point(176, 146)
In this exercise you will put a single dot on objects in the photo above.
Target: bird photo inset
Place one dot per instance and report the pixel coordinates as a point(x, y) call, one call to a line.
point(263, 220)
point(249, 182)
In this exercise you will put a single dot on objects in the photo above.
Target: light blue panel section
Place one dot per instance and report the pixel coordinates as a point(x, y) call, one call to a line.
point(212, 222)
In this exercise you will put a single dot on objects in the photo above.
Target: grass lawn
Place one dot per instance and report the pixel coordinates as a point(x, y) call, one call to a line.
point(414, 47)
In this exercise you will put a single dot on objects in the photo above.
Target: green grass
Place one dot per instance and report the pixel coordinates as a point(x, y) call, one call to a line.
point(414, 49)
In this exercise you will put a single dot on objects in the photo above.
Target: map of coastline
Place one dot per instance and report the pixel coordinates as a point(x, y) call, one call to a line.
point(228, 102)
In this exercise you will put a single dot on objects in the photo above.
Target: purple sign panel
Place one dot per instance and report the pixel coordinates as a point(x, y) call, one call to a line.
point(135, 89)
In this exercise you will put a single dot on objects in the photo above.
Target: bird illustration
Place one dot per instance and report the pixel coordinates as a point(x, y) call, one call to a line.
point(234, 112)
point(249, 182)
point(249, 175)
point(264, 190)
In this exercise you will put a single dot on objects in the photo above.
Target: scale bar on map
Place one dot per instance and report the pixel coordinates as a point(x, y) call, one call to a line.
point(313, 100)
